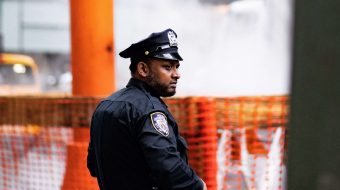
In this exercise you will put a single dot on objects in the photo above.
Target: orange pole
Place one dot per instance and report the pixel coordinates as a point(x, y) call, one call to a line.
point(92, 47)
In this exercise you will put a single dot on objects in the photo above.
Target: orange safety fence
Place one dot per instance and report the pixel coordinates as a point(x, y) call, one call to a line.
point(251, 142)
point(234, 143)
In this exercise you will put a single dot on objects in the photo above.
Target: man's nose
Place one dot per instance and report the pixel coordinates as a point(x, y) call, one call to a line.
point(176, 74)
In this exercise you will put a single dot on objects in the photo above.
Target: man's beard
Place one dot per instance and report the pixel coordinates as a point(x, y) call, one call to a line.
point(158, 88)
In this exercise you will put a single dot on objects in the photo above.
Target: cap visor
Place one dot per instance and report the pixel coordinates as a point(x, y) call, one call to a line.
point(169, 56)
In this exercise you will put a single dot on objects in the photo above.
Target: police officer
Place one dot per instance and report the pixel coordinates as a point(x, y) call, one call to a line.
point(135, 142)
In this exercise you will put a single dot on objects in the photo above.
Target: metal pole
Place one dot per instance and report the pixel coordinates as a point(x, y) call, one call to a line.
point(92, 55)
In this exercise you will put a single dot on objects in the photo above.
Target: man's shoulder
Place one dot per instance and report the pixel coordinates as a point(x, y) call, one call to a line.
point(126, 94)
point(132, 97)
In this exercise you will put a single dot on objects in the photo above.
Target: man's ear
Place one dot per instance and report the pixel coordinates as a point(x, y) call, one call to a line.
point(143, 69)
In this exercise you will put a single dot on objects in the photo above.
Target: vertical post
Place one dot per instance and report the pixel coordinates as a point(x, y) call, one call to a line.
point(314, 131)
point(92, 56)
point(208, 131)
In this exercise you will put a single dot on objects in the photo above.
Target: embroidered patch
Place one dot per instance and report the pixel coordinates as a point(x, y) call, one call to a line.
point(159, 122)
point(172, 38)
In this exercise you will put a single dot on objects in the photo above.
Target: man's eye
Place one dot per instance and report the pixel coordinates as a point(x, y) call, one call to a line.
point(167, 67)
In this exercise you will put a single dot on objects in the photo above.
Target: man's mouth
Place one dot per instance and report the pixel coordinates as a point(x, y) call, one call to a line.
point(173, 84)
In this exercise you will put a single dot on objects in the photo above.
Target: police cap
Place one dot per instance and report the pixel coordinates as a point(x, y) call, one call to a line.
point(161, 45)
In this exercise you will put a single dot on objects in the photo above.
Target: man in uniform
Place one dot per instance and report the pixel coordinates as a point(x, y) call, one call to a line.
point(135, 142)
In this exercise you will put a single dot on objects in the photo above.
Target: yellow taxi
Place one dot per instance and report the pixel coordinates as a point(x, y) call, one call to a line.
point(18, 75)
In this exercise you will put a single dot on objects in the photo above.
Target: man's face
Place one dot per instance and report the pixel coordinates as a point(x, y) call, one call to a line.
point(163, 76)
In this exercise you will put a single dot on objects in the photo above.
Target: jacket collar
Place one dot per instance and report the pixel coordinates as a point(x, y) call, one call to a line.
point(133, 82)
point(139, 84)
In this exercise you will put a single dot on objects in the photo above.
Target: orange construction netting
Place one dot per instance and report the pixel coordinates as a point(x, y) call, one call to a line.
point(234, 143)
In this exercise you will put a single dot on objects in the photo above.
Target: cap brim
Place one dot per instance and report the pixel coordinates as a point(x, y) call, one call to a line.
point(169, 56)
point(125, 53)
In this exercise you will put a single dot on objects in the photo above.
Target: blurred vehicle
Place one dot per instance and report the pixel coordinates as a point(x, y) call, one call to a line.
point(18, 75)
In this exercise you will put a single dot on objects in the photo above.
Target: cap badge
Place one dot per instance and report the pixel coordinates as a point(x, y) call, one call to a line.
point(172, 38)
point(159, 122)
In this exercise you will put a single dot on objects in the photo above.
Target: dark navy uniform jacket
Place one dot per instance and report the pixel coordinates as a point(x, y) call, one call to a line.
point(135, 144)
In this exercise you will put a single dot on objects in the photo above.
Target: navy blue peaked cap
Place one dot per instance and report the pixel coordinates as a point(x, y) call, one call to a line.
point(161, 45)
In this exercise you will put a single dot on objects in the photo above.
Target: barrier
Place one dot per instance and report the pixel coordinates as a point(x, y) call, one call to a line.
point(251, 142)
point(234, 143)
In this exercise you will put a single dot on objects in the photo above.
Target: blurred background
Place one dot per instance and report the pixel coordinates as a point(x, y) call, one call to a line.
point(256, 75)
point(231, 105)
point(244, 42)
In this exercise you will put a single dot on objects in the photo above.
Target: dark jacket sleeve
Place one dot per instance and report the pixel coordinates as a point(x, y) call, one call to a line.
point(91, 156)
point(163, 158)
point(91, 160)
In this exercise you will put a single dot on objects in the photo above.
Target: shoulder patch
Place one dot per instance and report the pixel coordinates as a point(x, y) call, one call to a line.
point(160, 123)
